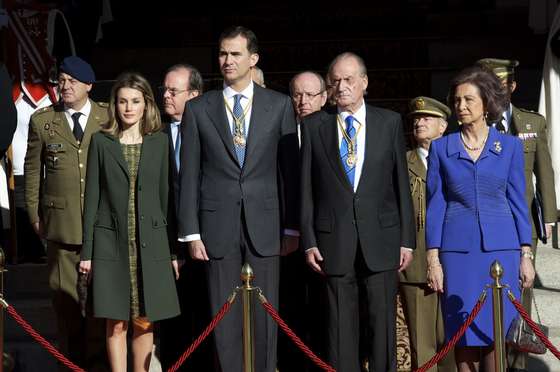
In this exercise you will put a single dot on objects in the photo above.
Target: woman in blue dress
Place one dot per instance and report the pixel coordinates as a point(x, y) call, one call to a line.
point(476, 213)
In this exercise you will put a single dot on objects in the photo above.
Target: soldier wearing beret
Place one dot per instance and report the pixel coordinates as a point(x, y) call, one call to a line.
point(421, 303)
point(530, 127)
point(55, 172)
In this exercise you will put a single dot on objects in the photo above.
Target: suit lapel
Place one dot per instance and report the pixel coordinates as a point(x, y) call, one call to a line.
point(259, 109)
point(146, 153)
point(371, 117)
point(62, 128)
point(216, 111)
point(329, 136)
point(93, 124)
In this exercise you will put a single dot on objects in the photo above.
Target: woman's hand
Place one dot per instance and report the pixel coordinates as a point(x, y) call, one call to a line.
point(85, 269)
point(526, 272)
point(434, 274)
point(175, 265)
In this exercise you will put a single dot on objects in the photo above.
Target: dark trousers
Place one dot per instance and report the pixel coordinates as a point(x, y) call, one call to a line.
point(223, 276)
point(81, 339)
point(344, 323)
point(176, 334)
point(29, 246)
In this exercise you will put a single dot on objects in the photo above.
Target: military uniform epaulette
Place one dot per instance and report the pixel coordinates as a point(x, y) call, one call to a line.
point(44, 109)
point(530, 112)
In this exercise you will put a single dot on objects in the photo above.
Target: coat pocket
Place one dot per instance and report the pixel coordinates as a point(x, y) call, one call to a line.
point(54, 202)
point(105, 237)
point(160, 241)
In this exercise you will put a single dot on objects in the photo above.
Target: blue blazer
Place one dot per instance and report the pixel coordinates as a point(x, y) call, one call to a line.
point(468, 201)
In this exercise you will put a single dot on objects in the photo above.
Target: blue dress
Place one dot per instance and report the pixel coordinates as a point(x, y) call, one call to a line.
point(476, 214)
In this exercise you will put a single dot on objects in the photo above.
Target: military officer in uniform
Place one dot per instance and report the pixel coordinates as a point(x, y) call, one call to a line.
point(55, 172)
point(421, 303)
point(530, 127)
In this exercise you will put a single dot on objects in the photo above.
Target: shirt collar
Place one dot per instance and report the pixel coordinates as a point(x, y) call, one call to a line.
point(359, 115)
point(85, 110)
point(175, 123)
point(229, 92)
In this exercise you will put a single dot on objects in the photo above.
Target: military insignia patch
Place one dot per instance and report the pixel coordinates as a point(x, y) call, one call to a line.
point(528, 126)
point(54, 147)
point(47, 126)
point(420, 104)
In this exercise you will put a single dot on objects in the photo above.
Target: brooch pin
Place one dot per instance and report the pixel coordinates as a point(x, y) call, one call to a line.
point(498, 146)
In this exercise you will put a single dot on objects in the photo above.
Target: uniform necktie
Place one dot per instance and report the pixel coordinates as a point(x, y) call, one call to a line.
point(77, 131)
point(350, 132)
point(238, 116)
point(177, 147)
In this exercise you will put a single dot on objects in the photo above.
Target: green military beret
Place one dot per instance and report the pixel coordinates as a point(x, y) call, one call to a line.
point(501, 67)
point(428, 106)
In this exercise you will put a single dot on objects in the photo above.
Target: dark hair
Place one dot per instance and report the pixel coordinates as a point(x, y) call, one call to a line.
point(494, 97)
point(151, 121)
point(195, 78)
point(233, 32)
point(322, 83)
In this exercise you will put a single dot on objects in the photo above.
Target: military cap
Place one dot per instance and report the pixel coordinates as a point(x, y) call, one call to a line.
point(428, 106)
point(501, 67)
point(78, 69)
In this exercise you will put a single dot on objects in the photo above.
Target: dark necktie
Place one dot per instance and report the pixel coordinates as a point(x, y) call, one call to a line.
point(77, 131)
point(500, 127)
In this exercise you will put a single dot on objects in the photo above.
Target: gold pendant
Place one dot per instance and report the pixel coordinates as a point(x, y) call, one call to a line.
point(351, 160)
point(238, 140)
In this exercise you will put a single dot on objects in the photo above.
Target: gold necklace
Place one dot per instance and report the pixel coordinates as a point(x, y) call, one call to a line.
point(473, 148)
point(352, 157)
point(239, 130)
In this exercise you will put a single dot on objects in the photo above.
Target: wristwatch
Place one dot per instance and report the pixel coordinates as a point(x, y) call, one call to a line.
point(528, 254)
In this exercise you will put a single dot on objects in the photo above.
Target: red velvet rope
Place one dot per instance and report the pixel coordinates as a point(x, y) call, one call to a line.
point(299, 343)
point(41, 340)
point(219, 316)
point(533, 325)
point(443, 352)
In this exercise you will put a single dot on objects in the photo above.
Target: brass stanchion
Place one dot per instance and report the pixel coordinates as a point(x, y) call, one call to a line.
point(248, 330)
point(496, 272)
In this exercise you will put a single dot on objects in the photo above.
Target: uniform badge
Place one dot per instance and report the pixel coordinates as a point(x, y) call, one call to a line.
point(528, 126)
point(47, 126)
point(420, 103)
point(54, 147)
point(497, 146)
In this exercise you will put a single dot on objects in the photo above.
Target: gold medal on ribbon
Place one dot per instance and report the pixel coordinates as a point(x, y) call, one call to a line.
point(351, 160)
point(238, 140)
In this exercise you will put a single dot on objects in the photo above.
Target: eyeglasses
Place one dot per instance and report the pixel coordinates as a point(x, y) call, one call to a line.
point(308, 96)
point(172, 91)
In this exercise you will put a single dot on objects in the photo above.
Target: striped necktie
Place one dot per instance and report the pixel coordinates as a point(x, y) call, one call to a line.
point(238, 114)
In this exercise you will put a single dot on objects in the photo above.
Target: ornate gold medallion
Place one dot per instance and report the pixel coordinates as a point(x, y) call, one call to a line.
point(351, 160)
point(238, 140)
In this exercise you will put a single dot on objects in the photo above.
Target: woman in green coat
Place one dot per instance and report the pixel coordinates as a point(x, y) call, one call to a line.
point(126, 242)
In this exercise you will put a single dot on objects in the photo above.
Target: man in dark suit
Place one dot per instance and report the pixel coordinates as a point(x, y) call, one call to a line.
point(182, 83)
point(238, 145)
point(357, 223)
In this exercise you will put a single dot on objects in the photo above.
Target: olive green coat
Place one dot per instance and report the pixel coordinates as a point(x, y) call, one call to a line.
point(416, 272)
point(531, 129)
point(55, 170)
point(106, 228)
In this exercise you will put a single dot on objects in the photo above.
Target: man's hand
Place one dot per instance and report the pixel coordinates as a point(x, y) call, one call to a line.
point(548, 229)
point(289, 244)
point(406, 258)
point(38, 228)
point(197, 250)
point(313, 258)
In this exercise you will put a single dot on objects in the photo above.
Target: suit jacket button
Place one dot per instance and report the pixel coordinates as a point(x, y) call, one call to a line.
point(142, 217)
point(143, 245)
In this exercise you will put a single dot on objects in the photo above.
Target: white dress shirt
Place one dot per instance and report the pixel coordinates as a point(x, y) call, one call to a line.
point(85, 110)
point(359, 121)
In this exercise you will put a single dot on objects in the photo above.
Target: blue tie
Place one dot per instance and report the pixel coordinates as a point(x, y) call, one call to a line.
point(350, 131)
point(238, 114)
point(177, 147)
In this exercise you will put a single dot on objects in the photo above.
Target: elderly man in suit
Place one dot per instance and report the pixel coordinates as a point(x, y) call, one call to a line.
point(356, 217)
point(421, 304)
point(530, 127)
point(182, 82)
point(55, 172)
point(236, 144)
